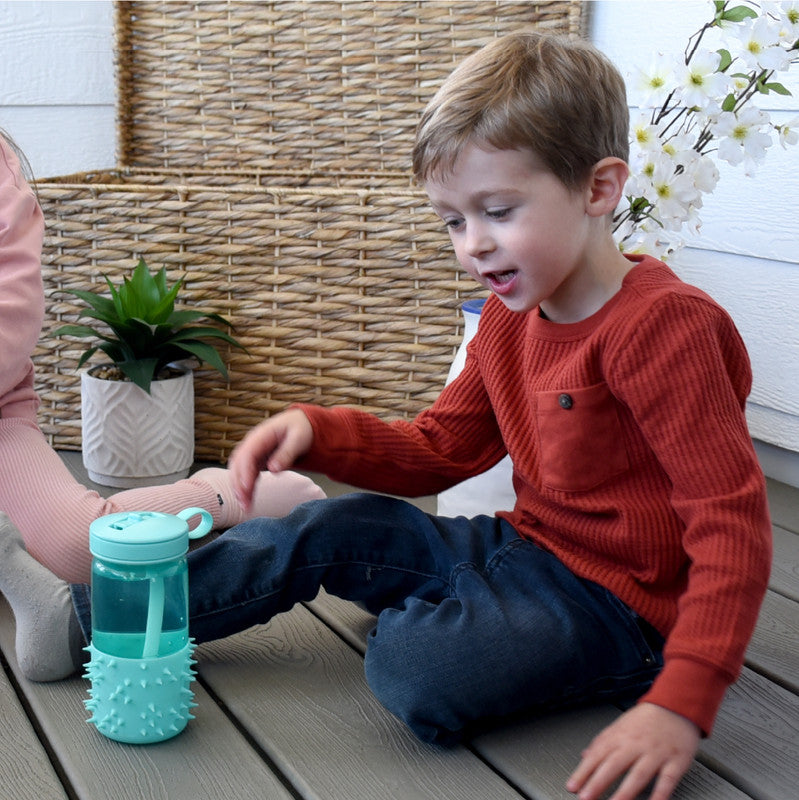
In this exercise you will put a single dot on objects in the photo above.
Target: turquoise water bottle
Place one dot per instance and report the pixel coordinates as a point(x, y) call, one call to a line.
point(141, 654)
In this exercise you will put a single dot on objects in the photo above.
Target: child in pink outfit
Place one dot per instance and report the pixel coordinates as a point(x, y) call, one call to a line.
point(51, 509)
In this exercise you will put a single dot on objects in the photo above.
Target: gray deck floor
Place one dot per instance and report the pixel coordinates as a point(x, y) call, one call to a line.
point(284, 712)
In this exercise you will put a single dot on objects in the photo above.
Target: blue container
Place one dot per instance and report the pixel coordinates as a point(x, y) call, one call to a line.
point(141, 655)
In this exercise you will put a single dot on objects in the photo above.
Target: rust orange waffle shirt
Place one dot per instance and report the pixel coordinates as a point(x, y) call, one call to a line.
point(632, 462)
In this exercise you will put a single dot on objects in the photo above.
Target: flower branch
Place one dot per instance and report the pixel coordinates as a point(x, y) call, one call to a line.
point(709, 112)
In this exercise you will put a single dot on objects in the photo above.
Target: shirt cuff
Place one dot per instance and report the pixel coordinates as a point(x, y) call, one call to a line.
point(689, 688)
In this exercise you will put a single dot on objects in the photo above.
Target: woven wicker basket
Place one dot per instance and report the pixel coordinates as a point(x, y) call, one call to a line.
point(266, 147)
point(337, 85)
point(341, 295)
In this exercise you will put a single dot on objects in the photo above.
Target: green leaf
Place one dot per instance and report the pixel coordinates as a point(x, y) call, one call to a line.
point(86, 356)
point(726, 60)
point(777, 88)
point(728, 104)
point(739, 14)
point(145, 328)
point(141, 371)
point(206, 353)
point(203, 333)
point(179, 319)
point(102, 305)
point(81, 331)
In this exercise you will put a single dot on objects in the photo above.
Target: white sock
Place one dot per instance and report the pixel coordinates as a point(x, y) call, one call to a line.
point(49, 640)
point(275, 494)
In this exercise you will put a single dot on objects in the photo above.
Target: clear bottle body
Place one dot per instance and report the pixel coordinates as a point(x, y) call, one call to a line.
point(139, 611)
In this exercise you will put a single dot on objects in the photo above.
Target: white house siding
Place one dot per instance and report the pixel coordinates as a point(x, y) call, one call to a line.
point(746, 253)
point(57, 98)
point(57, 88)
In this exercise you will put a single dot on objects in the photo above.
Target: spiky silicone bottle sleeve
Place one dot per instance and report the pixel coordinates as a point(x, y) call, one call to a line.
point(141, 654)
point(140, 700)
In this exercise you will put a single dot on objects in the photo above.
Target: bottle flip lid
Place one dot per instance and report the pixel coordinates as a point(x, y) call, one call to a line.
point(136, 537)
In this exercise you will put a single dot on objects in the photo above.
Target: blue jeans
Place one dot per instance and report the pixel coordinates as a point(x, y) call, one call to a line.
point(473, 624)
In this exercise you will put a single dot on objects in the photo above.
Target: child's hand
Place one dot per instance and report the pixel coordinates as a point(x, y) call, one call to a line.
point(275, 445)
point(646, 742)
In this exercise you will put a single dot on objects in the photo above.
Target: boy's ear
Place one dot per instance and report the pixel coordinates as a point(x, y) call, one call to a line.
point(606, 185)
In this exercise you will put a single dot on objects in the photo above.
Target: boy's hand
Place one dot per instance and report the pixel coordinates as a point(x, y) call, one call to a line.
point(275, 445)
point(646, 742)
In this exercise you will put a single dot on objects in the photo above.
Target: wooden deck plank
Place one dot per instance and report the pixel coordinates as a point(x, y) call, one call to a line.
point(27, 773)
point(755, 742)
point(783, 503)
point(774, 649)
point(785, 567)
point(537, 755)
point(756, 735)
point(211, 759)
point(300, 691)
point(540, 754)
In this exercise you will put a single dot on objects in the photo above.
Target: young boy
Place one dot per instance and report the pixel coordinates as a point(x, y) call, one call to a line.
point(637, 555)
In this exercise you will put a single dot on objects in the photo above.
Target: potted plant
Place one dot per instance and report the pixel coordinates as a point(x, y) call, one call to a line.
point(137, 410)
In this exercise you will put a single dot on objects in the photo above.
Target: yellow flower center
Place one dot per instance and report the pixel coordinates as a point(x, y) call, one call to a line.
point(739, 132)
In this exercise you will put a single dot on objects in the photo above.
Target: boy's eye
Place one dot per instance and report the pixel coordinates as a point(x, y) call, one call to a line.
point(453, 223)
point(497, 213)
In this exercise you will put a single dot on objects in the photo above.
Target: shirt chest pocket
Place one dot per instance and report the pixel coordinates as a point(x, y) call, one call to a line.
point(580, 436)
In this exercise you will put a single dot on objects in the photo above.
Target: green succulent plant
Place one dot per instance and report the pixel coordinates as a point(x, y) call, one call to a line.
point(146, 332)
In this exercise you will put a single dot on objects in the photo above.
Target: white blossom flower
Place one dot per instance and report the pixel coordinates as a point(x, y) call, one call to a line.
point(759, 45)
point(654, 83)
point(703, 112)
point(705, 173)
point(701, 84)
point(786, 16)
point(644, 135)
point(673, 193)
point(742, 138)
point(789, 132)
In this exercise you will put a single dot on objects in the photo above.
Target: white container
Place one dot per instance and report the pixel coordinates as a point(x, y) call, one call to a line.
point(492, 490)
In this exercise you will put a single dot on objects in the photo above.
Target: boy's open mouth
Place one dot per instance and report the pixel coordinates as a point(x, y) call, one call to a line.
point(499, 280)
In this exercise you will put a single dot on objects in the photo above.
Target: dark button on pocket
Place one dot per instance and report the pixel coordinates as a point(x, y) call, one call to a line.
point(565, 401)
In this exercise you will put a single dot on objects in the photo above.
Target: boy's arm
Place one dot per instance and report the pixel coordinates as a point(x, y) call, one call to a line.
point(424, 456)
point(682, 371)
point(684, 375)
point(441, 447)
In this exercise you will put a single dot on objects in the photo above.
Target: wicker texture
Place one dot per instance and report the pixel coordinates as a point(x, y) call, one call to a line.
point(265, 150)
point(341, 295)
point(336, 85)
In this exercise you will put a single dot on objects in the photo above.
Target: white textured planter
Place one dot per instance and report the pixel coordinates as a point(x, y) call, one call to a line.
point(131, 438)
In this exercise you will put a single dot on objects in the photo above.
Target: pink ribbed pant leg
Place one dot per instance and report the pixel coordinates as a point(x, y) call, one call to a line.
point(53, 511)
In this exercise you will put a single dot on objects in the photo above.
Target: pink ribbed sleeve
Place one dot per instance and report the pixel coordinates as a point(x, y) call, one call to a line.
point(21, 296)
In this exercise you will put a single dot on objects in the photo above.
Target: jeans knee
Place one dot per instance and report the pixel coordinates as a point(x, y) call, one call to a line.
point(405, 676)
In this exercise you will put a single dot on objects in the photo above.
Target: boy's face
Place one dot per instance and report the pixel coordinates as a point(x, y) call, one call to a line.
point(517, 230)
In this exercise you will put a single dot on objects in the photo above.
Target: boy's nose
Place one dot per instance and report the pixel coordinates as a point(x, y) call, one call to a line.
point(478, 241)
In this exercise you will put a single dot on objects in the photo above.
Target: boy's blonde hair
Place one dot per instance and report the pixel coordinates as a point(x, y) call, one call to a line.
point(559, 97)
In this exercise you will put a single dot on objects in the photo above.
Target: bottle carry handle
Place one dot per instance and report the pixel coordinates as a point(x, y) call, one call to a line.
point(155, 609)
point(205, 524)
